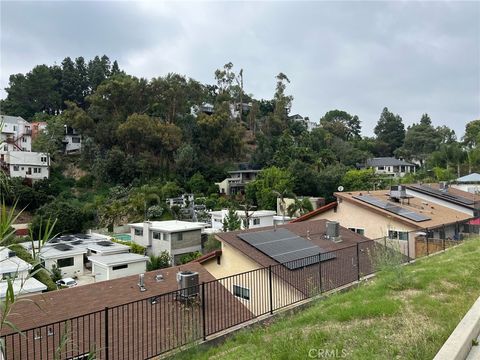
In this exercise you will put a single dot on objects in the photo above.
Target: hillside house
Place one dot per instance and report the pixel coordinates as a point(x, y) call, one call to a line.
point(469, 183)
point(401, 218)
point(236, 182)
point(177, 238)
point(389, 166)
point(290, 244)
point(256, 219)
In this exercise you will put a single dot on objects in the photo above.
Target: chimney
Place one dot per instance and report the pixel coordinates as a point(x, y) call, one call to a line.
point(333, 231)
point(146, 233)
point(141, 282)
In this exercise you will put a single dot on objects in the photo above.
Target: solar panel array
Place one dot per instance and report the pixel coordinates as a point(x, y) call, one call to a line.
point(286, 247)
point(105, 243)
point(63, 247)
point(394, 209)
point(443, 195)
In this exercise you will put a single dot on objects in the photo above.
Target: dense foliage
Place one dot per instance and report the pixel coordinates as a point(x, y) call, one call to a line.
point(147, 140)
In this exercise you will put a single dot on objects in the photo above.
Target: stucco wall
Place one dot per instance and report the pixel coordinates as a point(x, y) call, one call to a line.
point(190, 239)
point(69, 271)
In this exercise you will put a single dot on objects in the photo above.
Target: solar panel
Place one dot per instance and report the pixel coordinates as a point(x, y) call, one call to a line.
point(394, 209)
point(285, 247)
point(77, 242)
point(67, 238)
point(105, 243)
point(444, 195)
point(63, 247)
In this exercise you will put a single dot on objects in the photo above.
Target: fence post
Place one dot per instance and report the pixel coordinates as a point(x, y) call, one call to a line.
point(427, 241)
point(320, 270)
point(444, 236)
point(204, 323)
point(271, 288)
point(107, 349)
point(408, 247)
point(358, 263)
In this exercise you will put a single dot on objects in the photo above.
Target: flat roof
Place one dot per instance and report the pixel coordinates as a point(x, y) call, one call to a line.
point(12, 264)
point(171, 225)
point(30, 285)
point(68, 245)
point(451, 195)
point(117, 259)
point(241, 213)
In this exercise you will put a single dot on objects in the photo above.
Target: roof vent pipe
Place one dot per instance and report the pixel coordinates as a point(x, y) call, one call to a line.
point(141, 282)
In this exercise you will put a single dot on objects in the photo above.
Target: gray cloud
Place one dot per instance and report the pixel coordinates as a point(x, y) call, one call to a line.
point(412, 57)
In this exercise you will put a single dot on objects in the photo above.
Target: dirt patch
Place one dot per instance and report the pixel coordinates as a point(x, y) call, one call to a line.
point(74, 172)
point(407, 294)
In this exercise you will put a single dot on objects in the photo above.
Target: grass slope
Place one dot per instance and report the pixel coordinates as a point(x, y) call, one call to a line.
point(403, 313)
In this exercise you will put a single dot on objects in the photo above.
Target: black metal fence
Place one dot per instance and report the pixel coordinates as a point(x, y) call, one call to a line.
point(150, 327)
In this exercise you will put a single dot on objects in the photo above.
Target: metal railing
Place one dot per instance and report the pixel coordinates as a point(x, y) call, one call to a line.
point(146, 328)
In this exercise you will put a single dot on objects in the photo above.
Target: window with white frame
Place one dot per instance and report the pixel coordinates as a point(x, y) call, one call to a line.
point(138, 232)
point(256, 221)
point(359, 231)
point(156, 235)
point(241, 292)
point(397, 235)
point(16, 168)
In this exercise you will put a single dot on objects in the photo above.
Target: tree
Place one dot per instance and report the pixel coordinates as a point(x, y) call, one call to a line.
point(420, 140)
point(341, 124)
point(299, 207)
point(261, 190)
point(355, 180)
point(231, 222)
point(472, 134)
point(69, 218)
point(55, 273)
point(390, 130)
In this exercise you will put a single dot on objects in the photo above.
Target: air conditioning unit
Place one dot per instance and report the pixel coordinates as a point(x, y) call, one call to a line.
point(333, 231)
point(188, 284)
point(443, 186)
point(398, 192)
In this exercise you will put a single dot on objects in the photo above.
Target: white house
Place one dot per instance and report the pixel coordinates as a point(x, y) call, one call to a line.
point(16, 156)
point(71, 253)
point(236, 182)
point(469, 183)
point(117, 266)
point(390, 166)
point(23, 164)
point(256, 219)
point(304, 120)
point(15, 134)
point(72, 141)
point(176, 237)
point(17, 269)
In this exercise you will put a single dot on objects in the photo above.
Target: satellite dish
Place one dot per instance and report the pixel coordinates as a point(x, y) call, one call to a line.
point(340, 188)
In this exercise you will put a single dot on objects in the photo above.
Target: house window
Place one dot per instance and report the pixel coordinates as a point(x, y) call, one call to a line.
point(157, 235)
point(118, 267)
point(397, 235)
point(34, 170)
point(359, 231)
point(65, 262)
point(16, 167)
point(381, 168)
point(138, 232)
point(24, 139)
point(241, 292)
point(9, 275)
point(76, 140)
point(256, 221)
point(39, 170)
point(177, 236)
point(43, 159)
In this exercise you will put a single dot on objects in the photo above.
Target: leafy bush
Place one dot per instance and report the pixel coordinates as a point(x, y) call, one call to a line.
point(189, 257)
point(55, 273)
point(159, 262)
point(135, 248)
point(212, 244)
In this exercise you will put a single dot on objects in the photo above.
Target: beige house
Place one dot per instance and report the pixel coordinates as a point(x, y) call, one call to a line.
point(387, 214)
point(238, 256)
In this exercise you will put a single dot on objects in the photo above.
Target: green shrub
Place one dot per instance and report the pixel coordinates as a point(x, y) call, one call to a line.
point(189, 257)
point(211, 244)
point(135, 248)
point(158, 262)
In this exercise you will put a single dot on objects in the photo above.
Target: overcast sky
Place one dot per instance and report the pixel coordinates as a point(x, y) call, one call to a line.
point(412, 57)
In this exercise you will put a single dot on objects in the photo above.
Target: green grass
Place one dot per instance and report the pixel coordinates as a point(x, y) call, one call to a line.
point(403, 313)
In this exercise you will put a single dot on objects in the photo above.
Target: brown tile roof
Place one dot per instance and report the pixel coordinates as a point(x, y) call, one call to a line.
point(140, 324)
point(211, 255)
point(438, 214)
point(315, 212)
point(317, 231)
